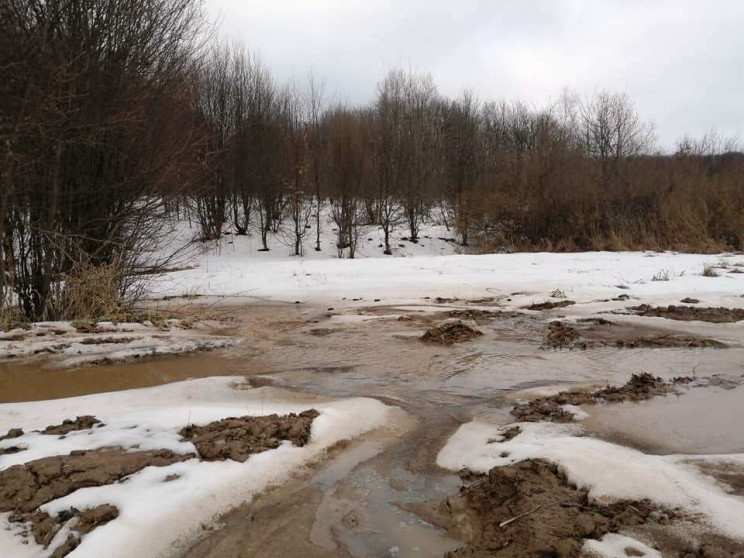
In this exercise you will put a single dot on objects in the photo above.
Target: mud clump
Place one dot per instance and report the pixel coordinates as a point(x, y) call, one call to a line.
point(529, 509)
point(95, 517)
point(718, 315)
point(12, 433)
point(669, 341)
point(84, 422)
point(549, 305)
point(639, 387)
point(25, 487)
point(238, 438)
point(449, 333)
point(561, 335)
point(44, 527)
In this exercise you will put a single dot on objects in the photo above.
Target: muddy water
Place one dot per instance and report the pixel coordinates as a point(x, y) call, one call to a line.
point(696, 421)
point(353, 506)
point(40, 380)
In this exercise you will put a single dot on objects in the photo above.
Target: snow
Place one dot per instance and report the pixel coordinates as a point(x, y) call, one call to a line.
point(113, 342)
point(156, 516)
point(619, 546)
point(235, 267)
point(667, 480)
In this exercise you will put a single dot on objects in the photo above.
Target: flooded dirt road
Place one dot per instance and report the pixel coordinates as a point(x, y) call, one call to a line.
point(356, 502)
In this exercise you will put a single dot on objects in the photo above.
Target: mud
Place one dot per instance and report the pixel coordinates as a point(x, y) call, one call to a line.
point(84, 422)
point(594, 333)
point(561, 335)
point(44, 527)
point(638, 388)
point(449, 333)
point(550, 305)
point(25, 487)
point(718, 315)
point(238, 438)
point(529, 509)
point(12, 433)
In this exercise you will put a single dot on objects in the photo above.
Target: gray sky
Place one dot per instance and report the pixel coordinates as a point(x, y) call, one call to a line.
point(682, 61)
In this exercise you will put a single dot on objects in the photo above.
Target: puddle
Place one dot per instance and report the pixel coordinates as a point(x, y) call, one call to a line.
point(702, 420)
point(35, 382)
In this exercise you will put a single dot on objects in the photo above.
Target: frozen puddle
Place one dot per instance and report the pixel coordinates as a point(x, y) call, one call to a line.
point(196, 491)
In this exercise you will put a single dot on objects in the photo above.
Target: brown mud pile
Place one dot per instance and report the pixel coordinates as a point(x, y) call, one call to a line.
point(240, 437)
point(594, 333)
point(639, 387)
point(529, 509)
point(44, 527)
point(449, 333)
point(84, 422)
point(666, 341)
point(549, 305)
point(25, 487)
point(561, 335)
point(718, 315)
point(12, 433)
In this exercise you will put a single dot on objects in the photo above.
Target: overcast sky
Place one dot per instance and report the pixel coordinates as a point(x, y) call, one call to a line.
point(681, 61)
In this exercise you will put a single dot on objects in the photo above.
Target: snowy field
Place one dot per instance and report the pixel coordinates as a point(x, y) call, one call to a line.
point(235, 267)
point(156, 515)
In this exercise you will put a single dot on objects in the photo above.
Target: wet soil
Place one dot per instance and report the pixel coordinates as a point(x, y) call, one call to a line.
point(550, 305)
point(529, 509)
point(359, 503)
point(593, 333)
point(450, 333)
point(84, 422)
point(44, 527)
point(238, 438)
point(691, 313)
point(551, 408)
point(26, 487)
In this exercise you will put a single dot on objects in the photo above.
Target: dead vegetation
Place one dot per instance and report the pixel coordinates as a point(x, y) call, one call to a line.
point(449, 333)
point(238, 438)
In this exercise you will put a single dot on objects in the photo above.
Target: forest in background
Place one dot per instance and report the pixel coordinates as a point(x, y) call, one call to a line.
point(116, 115)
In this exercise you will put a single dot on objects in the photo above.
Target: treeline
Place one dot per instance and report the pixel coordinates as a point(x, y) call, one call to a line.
point(114, 114)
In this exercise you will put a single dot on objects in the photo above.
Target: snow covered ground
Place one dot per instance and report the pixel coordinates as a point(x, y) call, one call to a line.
point(234, 267)
point(156, 515)
point(108, 341)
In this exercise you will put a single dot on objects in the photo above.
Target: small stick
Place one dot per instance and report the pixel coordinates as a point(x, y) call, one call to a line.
point(520, 516)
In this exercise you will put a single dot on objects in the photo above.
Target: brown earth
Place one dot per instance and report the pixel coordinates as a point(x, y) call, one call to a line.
point(689, 313)
point(44, 527)
point(238, 438)
point(561, 335)
point(591, 333)
point(449, 333)
point(26, 487)
point(639, 387)
point(549, 305)
point(529, 509)
point(12, 433)
point(80, 423)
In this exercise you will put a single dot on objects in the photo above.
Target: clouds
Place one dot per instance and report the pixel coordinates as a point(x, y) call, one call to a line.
point(680, 60)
